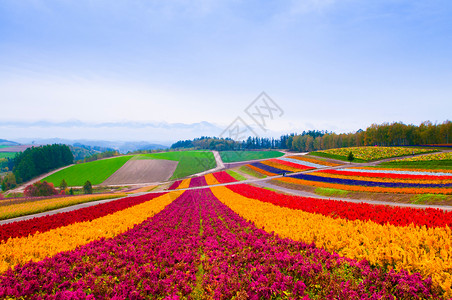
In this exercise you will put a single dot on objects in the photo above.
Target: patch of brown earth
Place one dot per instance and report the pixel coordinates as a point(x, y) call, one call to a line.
point(142, 171)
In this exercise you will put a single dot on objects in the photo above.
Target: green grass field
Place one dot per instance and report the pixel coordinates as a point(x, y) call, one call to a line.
point(7, 154)
point(236, 156)
point(96, 172)
point(190, 162)
point(329, 192)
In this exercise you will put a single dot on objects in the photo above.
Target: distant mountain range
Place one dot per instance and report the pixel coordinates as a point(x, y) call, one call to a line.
point(8, 143)
point(99, 146)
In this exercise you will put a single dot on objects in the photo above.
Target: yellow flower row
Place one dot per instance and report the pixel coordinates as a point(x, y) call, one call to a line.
point(373, 153)
point(184, 184)
point(429, 157)
point(28, 208)
point(382, 179)
point(372, 189)
point(413, 248)
point(38, 246)
point(210, 179)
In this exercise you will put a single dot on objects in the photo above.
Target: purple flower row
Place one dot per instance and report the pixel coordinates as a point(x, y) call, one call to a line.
point(199, 248)
point(241, 260)
point(310, 177)
point(198, 181)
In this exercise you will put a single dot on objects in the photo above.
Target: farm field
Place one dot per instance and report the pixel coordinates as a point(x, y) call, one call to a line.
point(190, 162)
point(370, 153)
point(136, 171)
point(200, 244)
point(96, 172)
point(237, 156)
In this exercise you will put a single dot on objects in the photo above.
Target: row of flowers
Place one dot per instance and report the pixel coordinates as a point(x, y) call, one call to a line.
point(429, 157)
point(391, 184)
point(38, 206)
point(375, 153)
point(197, 247)
point(46, 223)
point(317, 163)
point(380, 214)
point(380, 177)
point(199, 181)
point(400, 171)
point(427, 251)
point(40, 245)
point(364, 188)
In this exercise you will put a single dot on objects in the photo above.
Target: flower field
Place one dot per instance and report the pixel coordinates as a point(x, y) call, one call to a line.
point(429, 157)
point(33, 207)
point(199, 244)
point(377, 180)
point(370, 153)
point(209, 179)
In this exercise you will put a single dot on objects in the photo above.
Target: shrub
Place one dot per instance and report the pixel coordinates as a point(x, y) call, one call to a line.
point(40, 189)
point(63, 185)
point(88, 188)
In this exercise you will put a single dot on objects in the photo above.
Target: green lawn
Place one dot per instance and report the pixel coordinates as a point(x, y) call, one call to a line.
point(190, 162)
point(236, 156)
point(96, 172)
point(7, 154)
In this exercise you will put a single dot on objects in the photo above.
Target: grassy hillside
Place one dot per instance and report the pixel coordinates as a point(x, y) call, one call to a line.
point(190, 162)
point(96, 172)
point(7, 154)
point(236, 156)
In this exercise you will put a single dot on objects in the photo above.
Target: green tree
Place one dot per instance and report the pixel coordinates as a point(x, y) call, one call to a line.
point(63, 185)
point(350, 157)
point(9, 182)
point(71, 191)
point(87, 187)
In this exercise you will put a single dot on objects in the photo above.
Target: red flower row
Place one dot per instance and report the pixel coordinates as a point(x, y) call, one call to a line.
point(46, 223)
point(387, 175)
point(223, 177)
point(381, 214)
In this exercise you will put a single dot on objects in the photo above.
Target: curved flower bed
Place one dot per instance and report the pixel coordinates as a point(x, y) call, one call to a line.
point(380, 214)
point(198, 181)
point(46, 223)
point(268, 170)
point(343, 181)
point(411, 248)
point(198, 248)
point(224, 177)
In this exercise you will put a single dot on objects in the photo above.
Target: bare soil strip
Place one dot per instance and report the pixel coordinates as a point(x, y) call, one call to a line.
point(142, 171)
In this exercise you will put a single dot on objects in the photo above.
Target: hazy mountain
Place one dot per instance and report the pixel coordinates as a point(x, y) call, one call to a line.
point(8, 143)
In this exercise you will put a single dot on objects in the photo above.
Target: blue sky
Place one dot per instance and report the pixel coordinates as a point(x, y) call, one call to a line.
point(333, 65)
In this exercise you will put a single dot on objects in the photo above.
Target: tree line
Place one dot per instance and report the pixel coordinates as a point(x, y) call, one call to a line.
point(36, 161)
point(394, 134)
